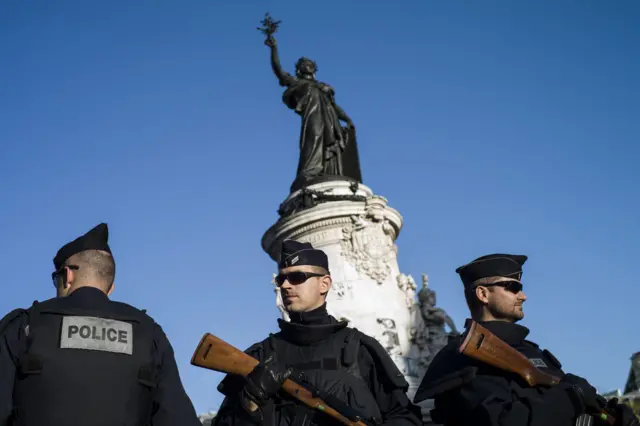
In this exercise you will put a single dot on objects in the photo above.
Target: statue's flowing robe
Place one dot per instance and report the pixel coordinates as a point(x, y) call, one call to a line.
point(321, 138)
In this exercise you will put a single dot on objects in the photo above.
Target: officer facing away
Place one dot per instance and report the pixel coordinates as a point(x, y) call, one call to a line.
point(82, 359)
point(466, 392)
point(315, 350)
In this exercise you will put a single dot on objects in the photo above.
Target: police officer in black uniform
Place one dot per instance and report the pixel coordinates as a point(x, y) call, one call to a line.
point(82, 359)
point(350, 370)
point(467, 392)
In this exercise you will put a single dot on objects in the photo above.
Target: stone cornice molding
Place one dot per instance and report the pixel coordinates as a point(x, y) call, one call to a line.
point(336, 214)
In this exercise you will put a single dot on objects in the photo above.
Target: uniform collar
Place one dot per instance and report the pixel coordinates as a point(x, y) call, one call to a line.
point(310, 327)
point(318, 316)
point(511, 333)
point(88, 293)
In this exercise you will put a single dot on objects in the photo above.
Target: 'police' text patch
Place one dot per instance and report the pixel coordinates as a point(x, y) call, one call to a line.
point(97, 334)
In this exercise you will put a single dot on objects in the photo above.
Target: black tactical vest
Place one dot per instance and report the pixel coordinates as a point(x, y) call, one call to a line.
point(544, 360)
point(85, 368)
point(329, 368)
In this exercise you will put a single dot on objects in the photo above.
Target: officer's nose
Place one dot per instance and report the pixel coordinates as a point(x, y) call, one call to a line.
point(285, 285)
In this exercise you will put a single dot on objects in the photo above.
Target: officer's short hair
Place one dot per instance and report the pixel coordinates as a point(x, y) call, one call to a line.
point(95, 265)
point(320, 270)
point(472, 300)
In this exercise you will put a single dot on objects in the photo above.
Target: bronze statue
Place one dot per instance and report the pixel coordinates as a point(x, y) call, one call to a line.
point(434, 317)
point(327, 150)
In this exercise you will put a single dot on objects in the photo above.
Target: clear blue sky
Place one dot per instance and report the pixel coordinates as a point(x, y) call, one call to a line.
point(492, 126)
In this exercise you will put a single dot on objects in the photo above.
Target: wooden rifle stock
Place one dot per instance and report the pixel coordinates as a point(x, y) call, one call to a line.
point(215, 354)
point(484, 346)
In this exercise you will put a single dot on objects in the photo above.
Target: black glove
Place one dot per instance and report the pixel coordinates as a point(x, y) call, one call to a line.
point(262, 383)
point(623, 413)
point(587, 394)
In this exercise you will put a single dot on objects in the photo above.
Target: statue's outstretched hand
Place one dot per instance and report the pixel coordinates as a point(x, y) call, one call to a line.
point(271, 42)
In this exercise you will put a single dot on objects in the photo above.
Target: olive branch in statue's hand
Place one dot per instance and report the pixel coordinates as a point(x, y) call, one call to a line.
point(269, 28)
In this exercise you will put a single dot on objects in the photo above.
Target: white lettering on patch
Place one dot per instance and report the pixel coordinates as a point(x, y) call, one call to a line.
point(538, 362)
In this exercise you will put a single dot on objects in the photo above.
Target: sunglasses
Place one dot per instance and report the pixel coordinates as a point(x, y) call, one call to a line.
point(295, 278)
point(511, 286)
point(61, 274)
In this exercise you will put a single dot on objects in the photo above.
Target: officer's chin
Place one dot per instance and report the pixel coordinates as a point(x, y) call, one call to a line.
point(518, 315)
point(292, 307)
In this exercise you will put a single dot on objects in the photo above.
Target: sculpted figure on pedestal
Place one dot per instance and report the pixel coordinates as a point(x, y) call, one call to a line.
point(326, 148)
point(434, 318)
point(407, 284)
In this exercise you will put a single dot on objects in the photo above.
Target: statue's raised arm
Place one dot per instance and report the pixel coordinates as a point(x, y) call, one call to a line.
point(269, 27)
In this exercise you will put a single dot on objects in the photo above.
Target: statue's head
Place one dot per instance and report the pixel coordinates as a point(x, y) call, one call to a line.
point(305, 67)
point(427, 296)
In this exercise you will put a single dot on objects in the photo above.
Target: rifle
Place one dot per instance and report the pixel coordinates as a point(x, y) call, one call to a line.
point(484, 346)
point(215, 354)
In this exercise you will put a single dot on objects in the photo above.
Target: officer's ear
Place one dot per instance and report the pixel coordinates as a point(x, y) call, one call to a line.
point(325, 284)
point(68, 277)
point(482, 293)
point(111, 287)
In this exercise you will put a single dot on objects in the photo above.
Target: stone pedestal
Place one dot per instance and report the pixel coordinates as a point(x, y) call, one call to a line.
point(207, 418)
point(357, 230)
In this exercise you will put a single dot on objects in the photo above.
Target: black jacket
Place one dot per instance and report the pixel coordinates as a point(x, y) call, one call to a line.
point(160, 397)
point(333, 358)
point(466, 392)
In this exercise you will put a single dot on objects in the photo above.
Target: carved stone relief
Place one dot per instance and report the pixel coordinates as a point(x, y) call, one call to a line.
point(314, 238)
point(407, 284)
point(390, 340)
point(340, 288)
point(387, 323)
point(368, 241)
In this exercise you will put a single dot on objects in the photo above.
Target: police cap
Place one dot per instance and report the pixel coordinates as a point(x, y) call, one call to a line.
point(492, 268)
point(96, 239)
point(295, 253)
